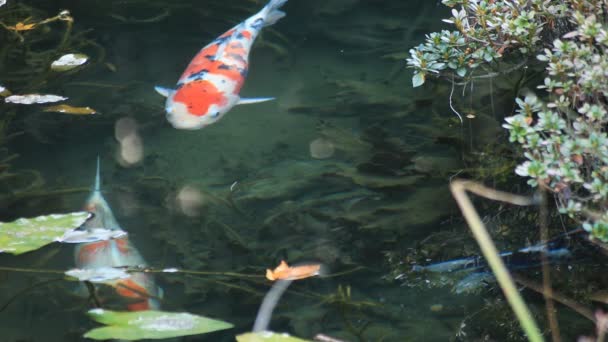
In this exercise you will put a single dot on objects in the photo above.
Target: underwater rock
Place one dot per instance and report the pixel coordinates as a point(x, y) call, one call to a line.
point(352, 97)
point(336, 7)
point(351, 145)
point(294, 176)
point(424, 205)
point(321, 148)
point(437, 165)
point(377, 181)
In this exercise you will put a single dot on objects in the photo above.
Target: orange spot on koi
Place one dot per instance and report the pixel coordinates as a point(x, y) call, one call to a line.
point(123, 245)
point(246, 34)
point(285, 272)
point(198, 96)
point(89, 250)
point(130, 289)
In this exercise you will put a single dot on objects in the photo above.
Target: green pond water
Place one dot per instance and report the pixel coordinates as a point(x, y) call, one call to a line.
point(349, 167)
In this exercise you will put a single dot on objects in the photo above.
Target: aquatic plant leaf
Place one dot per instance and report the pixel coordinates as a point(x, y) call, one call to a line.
point(28, 234)
point(150, 324)
point(33, 98)
point(69, 61)
point(67, 109)
point(91, 235)
point(267, 336)
point(102, 275)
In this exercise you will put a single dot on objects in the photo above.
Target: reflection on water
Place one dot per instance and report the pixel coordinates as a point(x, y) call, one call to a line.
point(348, 167)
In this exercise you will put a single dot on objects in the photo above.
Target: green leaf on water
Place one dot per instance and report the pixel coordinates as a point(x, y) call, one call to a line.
point(267, 336)
point(137, 325)
point(28, 234)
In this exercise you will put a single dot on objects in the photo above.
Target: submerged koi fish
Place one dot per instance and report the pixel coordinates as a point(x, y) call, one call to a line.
point(210, 85)
point(139, 290)
point(476, 271)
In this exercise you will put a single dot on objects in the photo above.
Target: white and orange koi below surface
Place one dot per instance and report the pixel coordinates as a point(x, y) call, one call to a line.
point(210, 85)
point(139, 290)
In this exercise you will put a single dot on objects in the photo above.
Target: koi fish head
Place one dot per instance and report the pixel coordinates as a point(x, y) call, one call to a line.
point(196, 104)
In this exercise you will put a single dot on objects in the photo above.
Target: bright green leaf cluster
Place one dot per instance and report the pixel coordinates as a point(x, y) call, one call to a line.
point(484, 30)
point(565, 137)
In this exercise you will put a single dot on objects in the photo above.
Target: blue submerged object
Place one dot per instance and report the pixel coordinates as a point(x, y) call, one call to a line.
point(476, 271)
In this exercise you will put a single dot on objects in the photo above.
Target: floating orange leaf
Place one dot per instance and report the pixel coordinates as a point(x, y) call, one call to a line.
point(21, 27)
point(285, 272)
point(70, 110)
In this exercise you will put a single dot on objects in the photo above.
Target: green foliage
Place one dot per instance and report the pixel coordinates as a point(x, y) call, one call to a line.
point(564, 136)
point(484, 31)
point(28, 234)
point(267, 336)
point(150, 325)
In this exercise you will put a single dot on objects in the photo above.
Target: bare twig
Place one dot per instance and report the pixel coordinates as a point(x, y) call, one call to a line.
point(547, 289)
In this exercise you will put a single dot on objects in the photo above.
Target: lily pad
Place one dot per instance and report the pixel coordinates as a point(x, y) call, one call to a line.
point(91, 235)
point(34, 98)
point(69, 61)
point(150, 324)
point(102, 275)
point(267, 336)
point(28, 234)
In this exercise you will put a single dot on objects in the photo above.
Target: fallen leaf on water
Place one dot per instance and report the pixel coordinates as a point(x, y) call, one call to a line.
point(285, 272)
point(21, 27)
point(67, 109)
point(33, 98)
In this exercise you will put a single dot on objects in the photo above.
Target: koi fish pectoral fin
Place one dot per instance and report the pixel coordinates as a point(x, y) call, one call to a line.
point(254, 100)
point(273, 12)
point(163, 91)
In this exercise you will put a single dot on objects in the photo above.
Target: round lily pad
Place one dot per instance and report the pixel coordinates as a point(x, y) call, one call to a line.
point(28, 234)
point(69, 61)
point(268, 336)
point(150, 324)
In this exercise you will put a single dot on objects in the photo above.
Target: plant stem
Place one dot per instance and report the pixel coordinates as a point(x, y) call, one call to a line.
point(458, 189)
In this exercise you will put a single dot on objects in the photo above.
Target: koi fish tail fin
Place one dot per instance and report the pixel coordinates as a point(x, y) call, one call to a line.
point(273, 14)
point(97, 186)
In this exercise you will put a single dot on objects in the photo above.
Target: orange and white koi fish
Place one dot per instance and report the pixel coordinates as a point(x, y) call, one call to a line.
point(286, 272)
point(210, 85)
point(139, 289)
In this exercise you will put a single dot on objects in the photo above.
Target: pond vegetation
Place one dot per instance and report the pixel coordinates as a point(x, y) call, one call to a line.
point(351, 174)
